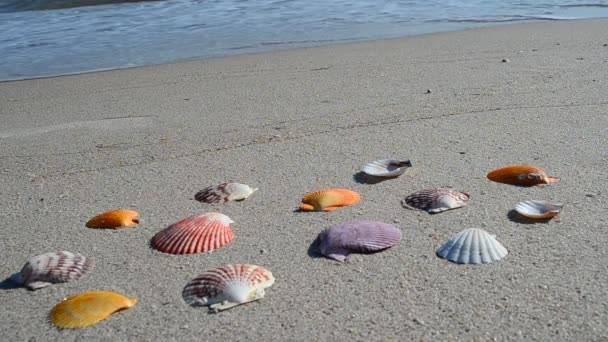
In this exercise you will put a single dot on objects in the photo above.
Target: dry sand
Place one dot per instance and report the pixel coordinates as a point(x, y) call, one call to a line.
point(301, 120)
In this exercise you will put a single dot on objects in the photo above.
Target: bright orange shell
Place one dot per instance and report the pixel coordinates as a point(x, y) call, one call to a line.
point(521, 175)
point(85, 309)
point(115, 219)
point(329, 200)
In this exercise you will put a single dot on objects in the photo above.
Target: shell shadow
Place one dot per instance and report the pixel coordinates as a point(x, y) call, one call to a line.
point(363, 178)
point(514, 216)
point(9, 284)
point(313, 249)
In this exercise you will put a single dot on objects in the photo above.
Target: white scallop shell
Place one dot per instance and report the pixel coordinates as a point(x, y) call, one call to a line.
point(54, 267)
point(538, 209)
point(386, 168)
point(472, 246)
point(224, 192)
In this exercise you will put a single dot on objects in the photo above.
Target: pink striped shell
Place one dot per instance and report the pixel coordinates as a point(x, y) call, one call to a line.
point(436, 200)
point(340, 240)
point(196, 234)
point(54, 267)
point(228, 286)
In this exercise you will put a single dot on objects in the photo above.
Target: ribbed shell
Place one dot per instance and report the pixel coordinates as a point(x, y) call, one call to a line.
point(196, 234)
point(340, 240)
point(472, 246)
point(115, 219)
point(521, 175)
point(54, 267)
point(228, 286)
point(538, 209)
point(224, 192)
point(436, 200)
point(387, 167)
point(329, 200)
point(85, 309)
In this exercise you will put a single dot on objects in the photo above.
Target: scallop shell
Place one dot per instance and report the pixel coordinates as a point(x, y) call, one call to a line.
point(521, 175)
point(115, 219)
point(225, 287)
point(224, 192)
point(472, 246)
point(340, 240)
point(329, 200)
point(54, 267)
point(196, 234)
point(436, 200)
point(85, 309)
point(387, 168)
point(538, 209)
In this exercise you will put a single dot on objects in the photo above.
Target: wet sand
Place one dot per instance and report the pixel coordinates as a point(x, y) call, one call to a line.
point(302, 120)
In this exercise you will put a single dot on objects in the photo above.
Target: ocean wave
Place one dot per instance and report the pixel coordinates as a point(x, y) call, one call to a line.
point(501, 19)
point(8, 6)
point(585, 5)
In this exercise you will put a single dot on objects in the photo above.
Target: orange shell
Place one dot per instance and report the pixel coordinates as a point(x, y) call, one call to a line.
point(85, 309)
point(115, 219)
point(329, 200)
point(521, 175)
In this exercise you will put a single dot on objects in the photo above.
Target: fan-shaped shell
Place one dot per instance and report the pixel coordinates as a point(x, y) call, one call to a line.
point(228, 286)
point(521, 175)
point(196, 234)
point(387, 167)
point(538, 209)
point(436, 200)
point(472, 246)
point(340, 240)
point(224, 192)
point(85, 309)
point(329, 200)
point(115, 219)
point(54, 267)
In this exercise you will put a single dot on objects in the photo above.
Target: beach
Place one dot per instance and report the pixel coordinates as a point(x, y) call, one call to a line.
point(301, 120)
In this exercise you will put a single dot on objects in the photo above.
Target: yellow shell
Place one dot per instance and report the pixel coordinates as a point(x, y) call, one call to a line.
point(329, 200)
point(115, 219)
point(521, 175)
point(85, 309)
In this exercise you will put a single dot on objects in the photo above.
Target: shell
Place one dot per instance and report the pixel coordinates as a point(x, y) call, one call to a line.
point(436, 200)
point(521, 175)
point(329, 200)
point(115, 219)
point(387, 168)
point(54, 267)
point(228, 286)
point(224, 192)
point(85, 309)
point(196, 234)
point(538, 209)
point(472, 246)
point(340, 240)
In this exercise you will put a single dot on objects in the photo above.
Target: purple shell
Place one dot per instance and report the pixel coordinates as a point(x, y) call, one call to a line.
point(340, 240)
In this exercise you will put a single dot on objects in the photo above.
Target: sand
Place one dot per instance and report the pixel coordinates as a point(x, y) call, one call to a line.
point(302, 120)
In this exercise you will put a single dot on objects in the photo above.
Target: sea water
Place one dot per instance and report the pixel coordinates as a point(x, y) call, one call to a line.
point(53, 37)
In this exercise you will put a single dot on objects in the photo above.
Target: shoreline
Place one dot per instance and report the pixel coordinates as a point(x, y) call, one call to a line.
point(295, 121)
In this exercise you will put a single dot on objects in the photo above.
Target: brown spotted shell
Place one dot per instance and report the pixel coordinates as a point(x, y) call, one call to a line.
point(436, 200)
point(54, 267)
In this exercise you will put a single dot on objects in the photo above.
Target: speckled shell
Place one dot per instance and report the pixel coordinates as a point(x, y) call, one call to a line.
point(224, 192)
point(521, 175)
point(228, 286)
point(472, 246)
point(196, 234)
point(86, 309)
point(340, 240)
point(54, 267)
point(436, 200)
point(329, 200)
point(115, 219)
point(539, 210)
point(387, 168)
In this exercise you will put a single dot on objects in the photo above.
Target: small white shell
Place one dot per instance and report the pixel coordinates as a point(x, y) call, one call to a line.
point(538, 209)
point(472, 246)
point(386, 168)
point(224, 192)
